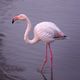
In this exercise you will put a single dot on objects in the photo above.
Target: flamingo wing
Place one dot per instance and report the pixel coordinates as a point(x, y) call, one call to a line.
point(46, 31)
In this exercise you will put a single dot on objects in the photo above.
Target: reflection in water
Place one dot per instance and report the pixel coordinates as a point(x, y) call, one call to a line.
point(44, 76)
point(6, 69)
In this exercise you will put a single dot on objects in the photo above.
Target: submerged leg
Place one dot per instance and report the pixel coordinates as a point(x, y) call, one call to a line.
point(45, 60)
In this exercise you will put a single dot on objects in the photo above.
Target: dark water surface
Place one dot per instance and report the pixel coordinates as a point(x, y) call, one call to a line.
point(20, 61)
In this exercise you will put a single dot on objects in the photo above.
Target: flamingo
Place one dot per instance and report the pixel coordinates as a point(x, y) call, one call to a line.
point(44, 31)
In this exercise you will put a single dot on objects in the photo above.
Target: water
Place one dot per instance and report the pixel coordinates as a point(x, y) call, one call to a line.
point(20, 61)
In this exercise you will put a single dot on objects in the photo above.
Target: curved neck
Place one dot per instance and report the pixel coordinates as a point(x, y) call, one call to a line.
point(26, 37)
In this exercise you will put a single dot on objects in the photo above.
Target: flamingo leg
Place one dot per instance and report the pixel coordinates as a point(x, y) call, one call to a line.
point(51, 54)
point(45, 60)
point(51, 59)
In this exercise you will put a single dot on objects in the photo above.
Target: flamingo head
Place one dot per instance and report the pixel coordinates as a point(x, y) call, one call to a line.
point(19, 17)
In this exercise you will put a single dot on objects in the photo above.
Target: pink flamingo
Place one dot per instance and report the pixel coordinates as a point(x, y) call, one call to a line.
point(46, 31)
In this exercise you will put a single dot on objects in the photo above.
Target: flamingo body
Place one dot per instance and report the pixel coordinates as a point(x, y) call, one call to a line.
point(47, 31)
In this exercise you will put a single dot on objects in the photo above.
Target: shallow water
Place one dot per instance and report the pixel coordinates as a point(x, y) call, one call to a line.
point(20, 61)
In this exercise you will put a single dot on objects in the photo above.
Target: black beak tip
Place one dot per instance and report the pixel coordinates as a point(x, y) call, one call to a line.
point(65, 36)
point(12, 21)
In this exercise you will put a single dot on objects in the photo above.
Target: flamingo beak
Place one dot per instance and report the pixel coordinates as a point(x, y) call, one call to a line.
point(14, 19)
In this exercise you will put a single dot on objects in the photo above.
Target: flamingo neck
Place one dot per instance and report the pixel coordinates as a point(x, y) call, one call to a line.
point(26, 37)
